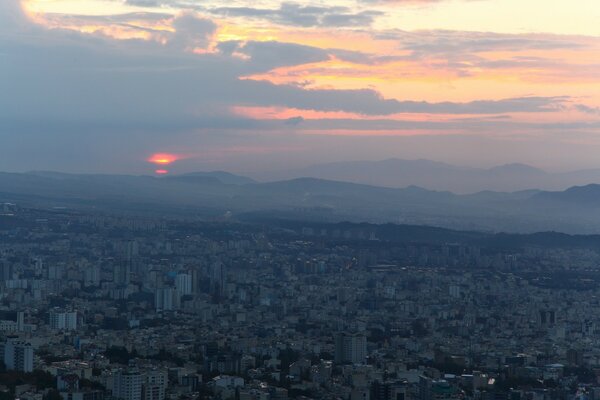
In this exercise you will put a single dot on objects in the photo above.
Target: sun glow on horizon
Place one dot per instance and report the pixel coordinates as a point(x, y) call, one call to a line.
point(163, 158)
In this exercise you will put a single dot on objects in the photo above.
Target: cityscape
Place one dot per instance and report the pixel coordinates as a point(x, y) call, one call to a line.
point(299, 199)
point(98, 306)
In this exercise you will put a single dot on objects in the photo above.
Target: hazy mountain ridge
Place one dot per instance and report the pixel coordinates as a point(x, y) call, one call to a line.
point(222, 176)
point(445, 177)
point(588, 195)
point(574, 210)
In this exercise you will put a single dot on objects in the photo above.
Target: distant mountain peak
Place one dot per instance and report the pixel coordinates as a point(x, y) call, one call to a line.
point(433, 175)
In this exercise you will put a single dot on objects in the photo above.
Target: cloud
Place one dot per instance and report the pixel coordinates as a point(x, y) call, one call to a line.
point(439, 42)
point(370, 102)
point(84, 81)
point(192, 31)
point(146, 3)
point(68, 92)
point(11, 16)
point(481, 125)
point(587, 109)
point(294, 121)
point(305, 16)
point(288, 13)
point(88, 79)
point(267, 55)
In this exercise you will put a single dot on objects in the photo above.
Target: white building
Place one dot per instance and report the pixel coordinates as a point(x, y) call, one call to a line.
point(18, 355)
point(8, 326)
point(63, 320)
point(127, 385)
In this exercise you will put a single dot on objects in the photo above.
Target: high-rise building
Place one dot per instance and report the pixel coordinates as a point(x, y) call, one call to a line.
point(155, 385)
point(63, 320)
point(55, 272)
point(18, 355)
point(546, 318)
point(217, 278)
point(575, 357)
point(5, 271)
point(127, 385)
point(20, 321)
point(350, 348)
point(122, 273)
point(91, 276)
point(183, 283)
point(132, 250)
point(166, 299)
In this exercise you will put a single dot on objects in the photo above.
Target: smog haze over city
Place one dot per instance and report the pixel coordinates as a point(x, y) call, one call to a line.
point(303, 199)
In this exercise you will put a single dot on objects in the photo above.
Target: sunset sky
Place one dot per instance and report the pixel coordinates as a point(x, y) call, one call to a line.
point(256, 86)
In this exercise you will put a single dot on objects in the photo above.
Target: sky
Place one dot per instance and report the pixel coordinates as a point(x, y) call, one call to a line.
point(252, 87)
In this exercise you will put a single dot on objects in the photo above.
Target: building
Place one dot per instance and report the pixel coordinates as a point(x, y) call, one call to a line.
point(546, 318)
point(350, 348)
point(575, 357)
point(91, 276)
point(155, 385)
point(218, 278)
point(17, 355)
point(183, 283)
point(122, 273)
point(63, 320)
point(166, 299)
point(8, 326)
point(5, 271)
point(127, 385)
point(20, 321)
point(389, 390)
point(83, 395)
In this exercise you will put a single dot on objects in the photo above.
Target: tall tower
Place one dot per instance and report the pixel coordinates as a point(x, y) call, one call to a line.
point(21, 321)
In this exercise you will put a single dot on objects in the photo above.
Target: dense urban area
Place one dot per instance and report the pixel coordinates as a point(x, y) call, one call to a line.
point(96, 306)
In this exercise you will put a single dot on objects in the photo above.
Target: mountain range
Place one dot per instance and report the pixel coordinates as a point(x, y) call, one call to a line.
point(434, 175)
point(210, 195)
